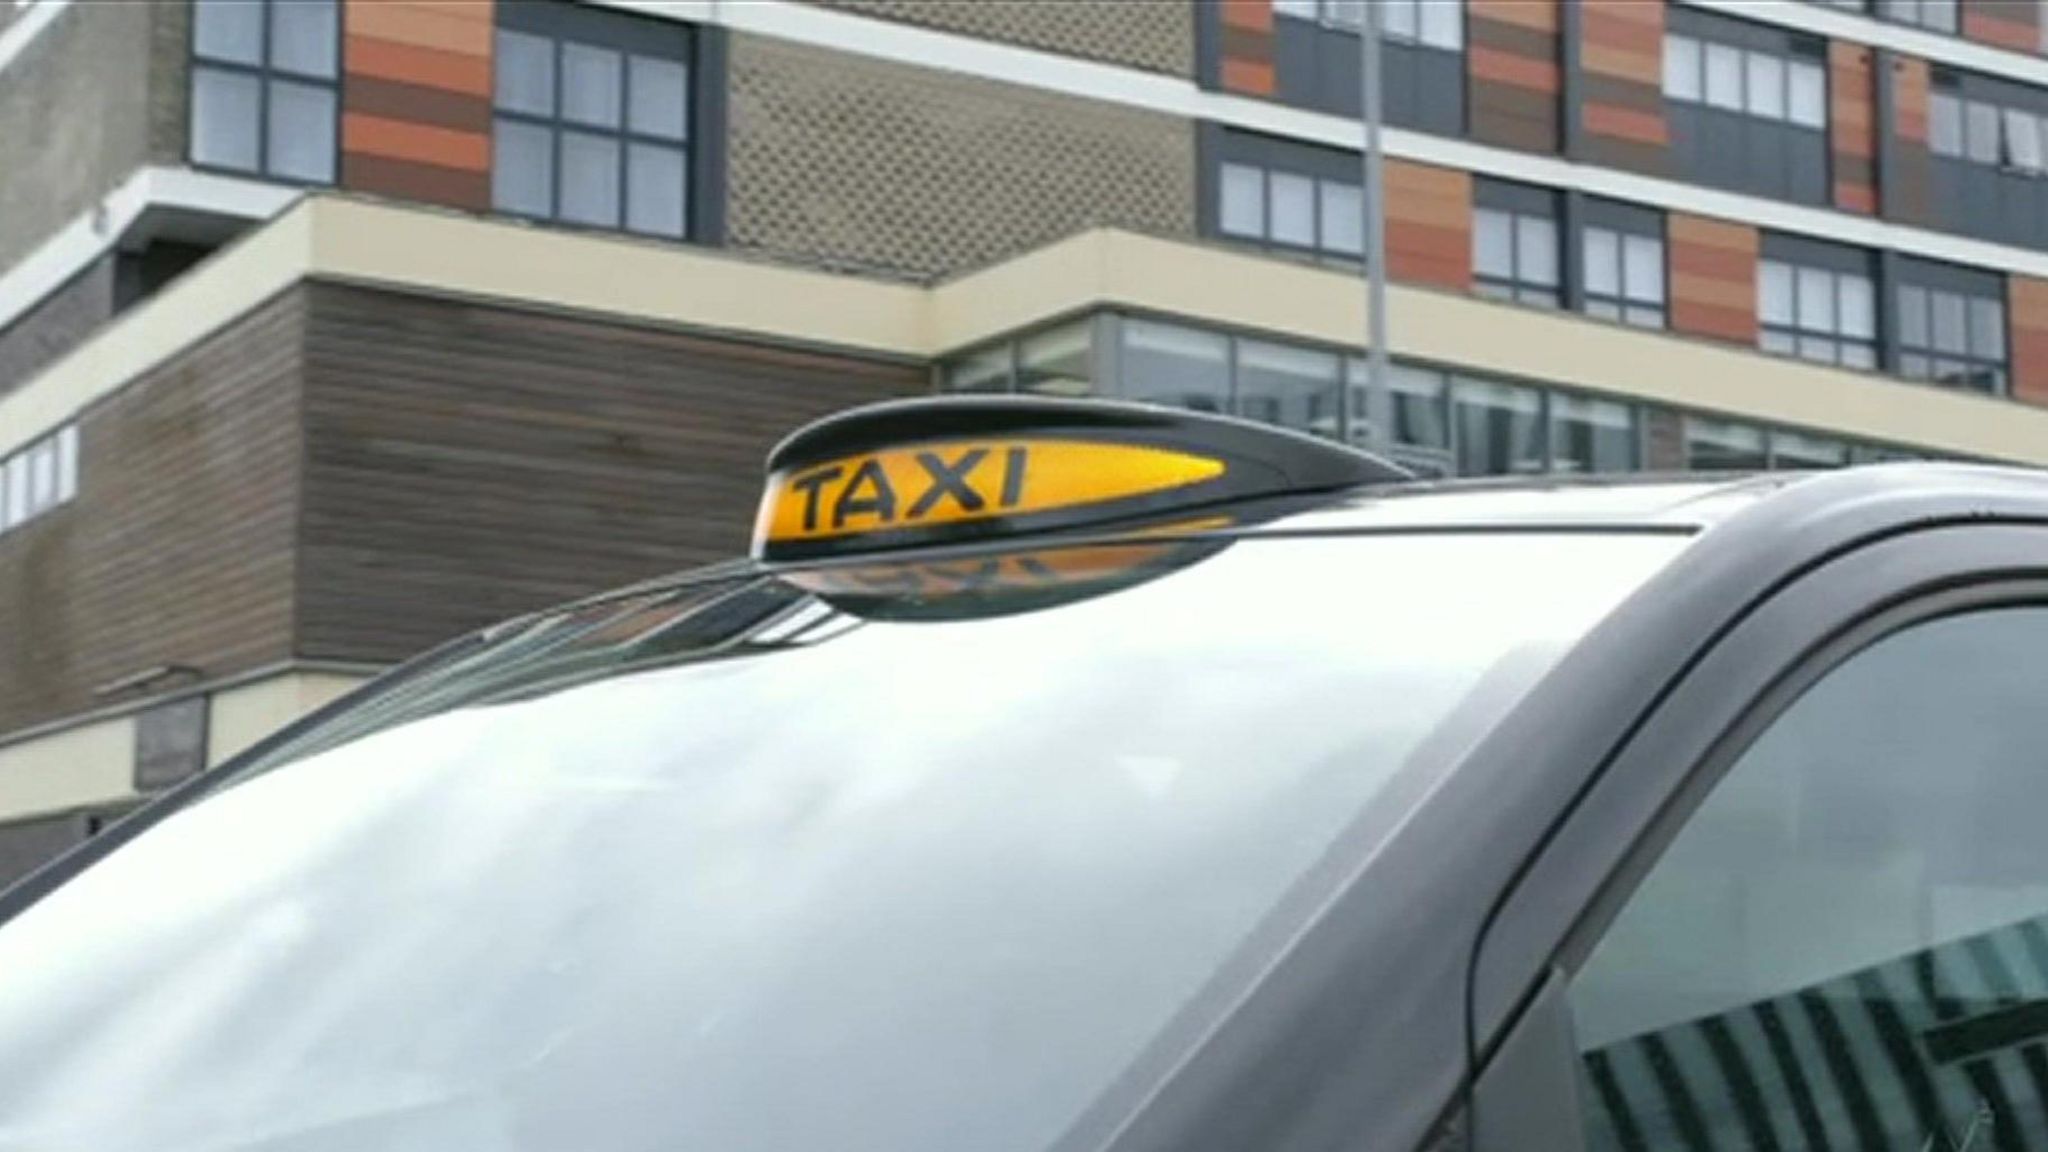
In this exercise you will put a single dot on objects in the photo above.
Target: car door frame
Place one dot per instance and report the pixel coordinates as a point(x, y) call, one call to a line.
point(1525, 1091)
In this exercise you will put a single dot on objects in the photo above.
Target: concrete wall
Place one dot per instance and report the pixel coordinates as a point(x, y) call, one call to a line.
point(1157, 35)
point(911, 172)
point(52, 327)
point(98, 94)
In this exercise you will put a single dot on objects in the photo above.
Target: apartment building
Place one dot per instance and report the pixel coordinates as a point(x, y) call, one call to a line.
point(330, 329)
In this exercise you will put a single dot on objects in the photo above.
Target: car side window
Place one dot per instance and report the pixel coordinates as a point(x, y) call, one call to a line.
point(1846, 945)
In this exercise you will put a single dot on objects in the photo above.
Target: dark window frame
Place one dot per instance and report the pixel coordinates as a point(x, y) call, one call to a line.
point(1838, 260)
point(263, 74)
point(1519, 202)
point(628, 35)
point(1624, 220)
point(1219, 147)
point(1928, 277)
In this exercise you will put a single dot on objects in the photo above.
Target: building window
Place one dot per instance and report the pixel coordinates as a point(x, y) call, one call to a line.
point(1746, 106)
point(1432, 23)
point(1724, 446)
point(1986, 133)
point(1989, 141)
point(1287, 196)
point(1760, 83)
point(1622, 264)
point(1817, 302)
point(1444, 423)
point(593, 119)
point(38, 477)
point(1951, 326)
point(263, 87)
point(1935, 15)
point(1515, 243)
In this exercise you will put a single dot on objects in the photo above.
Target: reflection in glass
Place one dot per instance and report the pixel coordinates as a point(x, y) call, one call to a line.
point(1181, 367)
point(1293, 387)
point(1591, 435)
point(1796, 450)
point(1847, 942)
point(985, 371)
point(1499, 427)
point(1723, 446)
point(1056, 363)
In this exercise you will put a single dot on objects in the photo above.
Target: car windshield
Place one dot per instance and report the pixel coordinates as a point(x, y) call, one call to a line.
point(755, 867)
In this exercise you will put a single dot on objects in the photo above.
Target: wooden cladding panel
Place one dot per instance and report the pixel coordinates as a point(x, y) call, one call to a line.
point(467, 462)
point(1907, 183)
point(178, 547)
point(1621, 54)
point(2014, 24)
point(1245, 59)
point(1713, 278)
point(1852, 126)
point(1429, 225)
point(416, 101)
point(1514, 73)
point(2027, 313)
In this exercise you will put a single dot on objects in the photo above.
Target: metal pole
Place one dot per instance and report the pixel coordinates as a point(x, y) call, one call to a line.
point(1379, 396)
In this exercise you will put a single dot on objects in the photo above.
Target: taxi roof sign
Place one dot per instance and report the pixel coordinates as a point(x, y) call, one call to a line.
point(936, 470)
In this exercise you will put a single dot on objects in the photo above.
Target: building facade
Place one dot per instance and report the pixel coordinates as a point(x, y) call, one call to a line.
point(330, 329)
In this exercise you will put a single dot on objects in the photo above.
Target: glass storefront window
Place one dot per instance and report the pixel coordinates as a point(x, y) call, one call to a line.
point(1589, 435)
point(1793, 450)
point(1056, 363)
point(1293, 387)
point(1181, 367)
point(986, 370)
point(1418, 395)
point(1499, 427)
point(1723, 446)
point(1443, 425)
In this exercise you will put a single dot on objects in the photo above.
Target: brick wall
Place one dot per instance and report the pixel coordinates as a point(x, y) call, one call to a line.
point(1852, 126)
point(1429, 225)
point(1156, 35)
point(1621, 53)
point(1713, 278)
point(416, 91)
point(1513, 70)
point(897, 170)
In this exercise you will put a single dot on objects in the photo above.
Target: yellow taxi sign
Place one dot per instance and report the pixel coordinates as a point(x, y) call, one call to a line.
point(956, 481)
point(945, 470)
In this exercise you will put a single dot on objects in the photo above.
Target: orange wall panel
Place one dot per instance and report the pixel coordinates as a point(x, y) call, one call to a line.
point(2014, 24)
point(1852, 126)
point(1429, 225)
point(1713, 278)
point(416, 100)
point(2027, 314)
